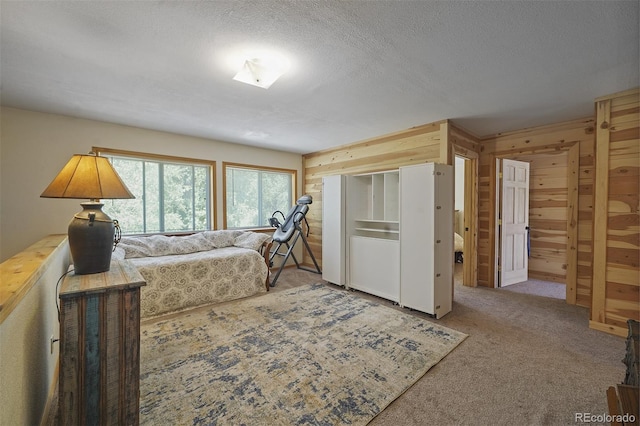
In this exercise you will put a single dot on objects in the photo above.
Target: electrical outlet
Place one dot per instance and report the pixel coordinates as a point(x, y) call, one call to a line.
point(52, 340)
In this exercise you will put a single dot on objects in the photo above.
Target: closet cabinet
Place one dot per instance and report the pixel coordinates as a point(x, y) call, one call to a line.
point(333, 229)
point(390, 234)
point(372, 225)
point(426, 238)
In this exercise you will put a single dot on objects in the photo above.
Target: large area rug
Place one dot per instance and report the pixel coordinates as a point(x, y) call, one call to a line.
point(309, 355)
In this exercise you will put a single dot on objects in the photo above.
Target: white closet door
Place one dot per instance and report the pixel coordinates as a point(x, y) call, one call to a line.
point(443, 186)
point(416, 237)
point(426, 238)
point(333, 229)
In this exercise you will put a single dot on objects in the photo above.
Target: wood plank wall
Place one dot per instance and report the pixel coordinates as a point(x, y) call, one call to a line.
point(463, 143)
point(467, 146)
point(539, 145)
point(616, 229)
point(563, 204)
point(548, 205)
point(413, 146)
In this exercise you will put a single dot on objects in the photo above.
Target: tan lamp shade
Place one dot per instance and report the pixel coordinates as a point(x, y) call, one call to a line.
point(91, 231)
point(87, 176)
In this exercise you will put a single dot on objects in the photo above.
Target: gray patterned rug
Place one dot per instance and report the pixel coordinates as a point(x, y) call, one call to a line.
point(309, 355)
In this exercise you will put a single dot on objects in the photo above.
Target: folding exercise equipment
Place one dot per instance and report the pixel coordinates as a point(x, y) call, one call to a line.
point(291, 228)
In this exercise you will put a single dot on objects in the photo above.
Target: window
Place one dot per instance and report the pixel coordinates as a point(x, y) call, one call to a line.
point(252, 194)
point(172, 194)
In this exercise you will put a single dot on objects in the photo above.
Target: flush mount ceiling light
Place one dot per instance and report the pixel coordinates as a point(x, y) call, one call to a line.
point(260, 72)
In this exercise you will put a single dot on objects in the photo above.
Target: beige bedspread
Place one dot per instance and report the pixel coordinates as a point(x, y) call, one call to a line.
point(208, 268)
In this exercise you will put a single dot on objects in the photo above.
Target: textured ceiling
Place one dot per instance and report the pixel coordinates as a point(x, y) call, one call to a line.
point(359, 68)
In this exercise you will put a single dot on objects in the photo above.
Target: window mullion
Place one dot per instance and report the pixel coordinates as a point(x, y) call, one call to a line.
point(161, 197)
point(144, 196)
point(193, 198)
point(260, 207)
point(209, 194)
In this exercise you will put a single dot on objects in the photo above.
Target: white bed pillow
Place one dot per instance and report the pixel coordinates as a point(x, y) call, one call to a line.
point(251, 240)
point(222, 238)
point(161, 245)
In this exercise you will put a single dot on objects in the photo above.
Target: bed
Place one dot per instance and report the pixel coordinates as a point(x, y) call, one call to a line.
point(458, 247)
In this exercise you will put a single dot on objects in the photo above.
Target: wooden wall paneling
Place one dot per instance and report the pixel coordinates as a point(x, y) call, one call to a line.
point(447, 157)
point(470, 270)
point(623, 228)
point(446, 148)
point(388, 152)
point(585, 222)
point(464, 144)
point(486, 213)
point(354, 155)
point(573, 183)
point(616, 229)
point(467, 146)
point(563, 138)
point(548, 215)
point(584, 202)
point(486, 219)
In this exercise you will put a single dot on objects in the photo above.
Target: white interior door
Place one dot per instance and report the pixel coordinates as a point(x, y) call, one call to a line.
point(514, 253)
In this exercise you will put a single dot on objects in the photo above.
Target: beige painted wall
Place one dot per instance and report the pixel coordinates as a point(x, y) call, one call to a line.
point(35, 146)
point(1, 258)
point(27, 365)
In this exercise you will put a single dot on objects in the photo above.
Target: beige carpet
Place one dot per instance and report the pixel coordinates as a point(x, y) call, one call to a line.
point(311, 354)
point(539, 288)
point(528, 360)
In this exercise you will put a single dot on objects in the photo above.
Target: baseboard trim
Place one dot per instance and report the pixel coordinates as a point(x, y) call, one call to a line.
point(608, 328)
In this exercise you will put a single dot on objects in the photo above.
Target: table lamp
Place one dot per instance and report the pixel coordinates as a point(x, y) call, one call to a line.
point(91, 232)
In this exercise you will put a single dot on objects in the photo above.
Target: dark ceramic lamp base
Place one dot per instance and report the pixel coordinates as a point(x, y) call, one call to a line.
point(91, 235)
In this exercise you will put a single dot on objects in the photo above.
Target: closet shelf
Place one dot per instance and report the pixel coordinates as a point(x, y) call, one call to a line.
point(393, 222)
point(386, 231)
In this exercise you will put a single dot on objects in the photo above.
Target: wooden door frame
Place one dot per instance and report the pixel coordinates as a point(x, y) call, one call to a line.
point(470, 250)
point(573, 174)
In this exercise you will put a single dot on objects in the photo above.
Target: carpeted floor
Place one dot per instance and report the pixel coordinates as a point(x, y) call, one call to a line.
point(528, 360)
point(539, 288)
point(311, 354)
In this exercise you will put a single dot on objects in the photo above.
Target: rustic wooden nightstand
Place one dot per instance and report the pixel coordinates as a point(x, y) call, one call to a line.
point(100, 347)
